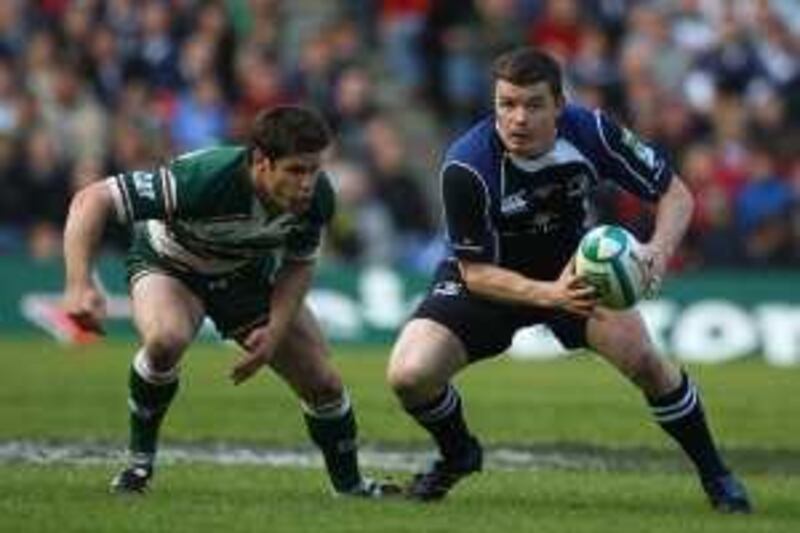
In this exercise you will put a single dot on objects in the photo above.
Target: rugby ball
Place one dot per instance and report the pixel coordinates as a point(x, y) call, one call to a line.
point(607, 260)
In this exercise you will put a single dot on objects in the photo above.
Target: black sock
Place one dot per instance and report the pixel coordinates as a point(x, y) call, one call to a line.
point(148, 404)
point(443, 417)
point(680, 413)
point(333, 428)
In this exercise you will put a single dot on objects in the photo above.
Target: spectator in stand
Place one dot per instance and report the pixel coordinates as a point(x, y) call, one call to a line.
point(711, 239)
point(201, 116)
point(399, 190)
point(72, 113)
point(157, 51)
point(353, 106)
point(261, 84)
point(763, 212)
point(559, 29)
point(313, 76)
point(46, 188)
point(402, 23)
point(361, 231)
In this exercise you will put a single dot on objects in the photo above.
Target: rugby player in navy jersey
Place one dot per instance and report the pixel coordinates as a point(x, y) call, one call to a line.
point(232, 233)
point(515, 190)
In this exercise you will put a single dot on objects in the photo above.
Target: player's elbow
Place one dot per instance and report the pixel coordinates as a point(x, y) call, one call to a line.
point(682, 194)
point(90, 206)
point(94, 196)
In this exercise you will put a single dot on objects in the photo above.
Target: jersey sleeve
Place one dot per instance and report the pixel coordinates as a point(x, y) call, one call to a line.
point(200, 184)
point(304, 243)
point(622, 156)
point(470, 230)
point(142, 195)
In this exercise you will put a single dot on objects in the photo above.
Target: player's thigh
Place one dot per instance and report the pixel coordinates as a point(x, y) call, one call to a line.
point(425, 356)
point(166, 313)
point(303, 361)
point(621, 338)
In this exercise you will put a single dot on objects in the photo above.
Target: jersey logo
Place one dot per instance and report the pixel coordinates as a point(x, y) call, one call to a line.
point(143, 183)
point(643, 153)
point(514, 203)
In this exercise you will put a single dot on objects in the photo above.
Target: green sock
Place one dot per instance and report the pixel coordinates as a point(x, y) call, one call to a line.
point(333, 429)
point(148, 404)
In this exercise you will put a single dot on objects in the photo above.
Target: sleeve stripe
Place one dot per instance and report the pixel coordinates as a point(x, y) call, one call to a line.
point(168, 191)
point(116, 196)
point(616, 155)
point(122, 199)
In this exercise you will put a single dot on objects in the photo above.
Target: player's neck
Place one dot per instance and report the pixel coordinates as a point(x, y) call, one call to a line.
point(531, 155)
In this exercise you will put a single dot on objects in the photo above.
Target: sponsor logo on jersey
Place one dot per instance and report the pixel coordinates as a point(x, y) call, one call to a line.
point(514, 203)
point(143, 183)
point(643, 153)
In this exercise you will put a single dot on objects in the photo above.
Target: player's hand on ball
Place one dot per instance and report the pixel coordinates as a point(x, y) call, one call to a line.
point(260, 347)
point(572, 293)
point(86, 306)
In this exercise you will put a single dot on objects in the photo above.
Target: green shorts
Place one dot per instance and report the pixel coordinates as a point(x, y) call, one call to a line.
point(236, 301)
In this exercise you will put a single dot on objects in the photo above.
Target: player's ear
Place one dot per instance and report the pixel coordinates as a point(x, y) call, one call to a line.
point(560, 100)
point(258, 157)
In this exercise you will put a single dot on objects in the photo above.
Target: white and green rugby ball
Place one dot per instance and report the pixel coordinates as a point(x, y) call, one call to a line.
point(606, 259)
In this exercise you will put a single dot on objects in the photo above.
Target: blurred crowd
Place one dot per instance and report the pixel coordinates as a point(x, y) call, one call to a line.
point(90, 88)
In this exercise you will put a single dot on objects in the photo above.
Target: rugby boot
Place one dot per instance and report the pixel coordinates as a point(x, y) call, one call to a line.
point(374, 489)
point(727, 494)
point(133, 479)
point(434, 483)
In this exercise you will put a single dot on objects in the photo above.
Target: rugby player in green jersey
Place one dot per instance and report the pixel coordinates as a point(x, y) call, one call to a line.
point(231, 233)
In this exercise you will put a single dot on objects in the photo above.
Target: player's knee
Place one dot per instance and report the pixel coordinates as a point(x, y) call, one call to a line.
point(648, 372)
point(407, 378)
point(164, 349)
point(325, 387)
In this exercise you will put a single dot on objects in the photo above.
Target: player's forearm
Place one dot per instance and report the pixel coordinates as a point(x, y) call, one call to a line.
point(88, 213)
point(498, 283)
point(291, 286)
point(674, 213)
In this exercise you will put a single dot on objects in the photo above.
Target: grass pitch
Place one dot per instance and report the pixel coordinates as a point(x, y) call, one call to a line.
point(580, 407)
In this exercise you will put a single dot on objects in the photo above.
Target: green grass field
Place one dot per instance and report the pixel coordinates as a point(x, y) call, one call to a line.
point(637, 481)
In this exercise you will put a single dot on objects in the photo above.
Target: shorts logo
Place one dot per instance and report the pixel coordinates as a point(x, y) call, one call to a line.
point(448, 288)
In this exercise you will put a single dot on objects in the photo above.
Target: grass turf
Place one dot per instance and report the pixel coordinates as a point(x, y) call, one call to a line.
point(192, 498)
point(48, 393)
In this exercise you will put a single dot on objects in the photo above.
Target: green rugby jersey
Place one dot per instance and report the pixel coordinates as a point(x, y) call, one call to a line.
point(201, 213)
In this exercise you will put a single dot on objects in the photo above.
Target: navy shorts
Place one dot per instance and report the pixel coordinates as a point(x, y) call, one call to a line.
point(487, 327)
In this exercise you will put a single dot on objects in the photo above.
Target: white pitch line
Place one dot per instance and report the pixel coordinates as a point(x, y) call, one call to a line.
point(370, 456)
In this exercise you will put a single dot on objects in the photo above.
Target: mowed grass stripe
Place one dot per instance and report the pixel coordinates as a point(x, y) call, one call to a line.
point(48, 392)
point(193, 498)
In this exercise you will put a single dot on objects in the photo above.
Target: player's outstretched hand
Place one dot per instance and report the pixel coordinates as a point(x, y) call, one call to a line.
point(86, 306)
point(259, 346)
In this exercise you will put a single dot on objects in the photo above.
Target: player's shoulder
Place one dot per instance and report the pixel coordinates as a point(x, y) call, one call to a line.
point(324, 200)
point(579, 124)
point(211, 161)
point(477, 149)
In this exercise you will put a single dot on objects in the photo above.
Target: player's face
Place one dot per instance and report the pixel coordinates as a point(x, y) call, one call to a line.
point(526, 117)
point(288, 182)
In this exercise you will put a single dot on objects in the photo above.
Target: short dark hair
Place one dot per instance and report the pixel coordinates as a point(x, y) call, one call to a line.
point(289, 130)
point(527, 66)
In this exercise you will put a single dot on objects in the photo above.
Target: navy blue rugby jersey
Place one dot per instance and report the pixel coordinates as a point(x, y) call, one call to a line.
point(529, 214)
